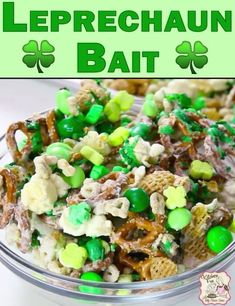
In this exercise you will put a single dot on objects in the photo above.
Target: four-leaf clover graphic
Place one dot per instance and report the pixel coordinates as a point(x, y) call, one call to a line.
point(37, 56)
point(191, 57)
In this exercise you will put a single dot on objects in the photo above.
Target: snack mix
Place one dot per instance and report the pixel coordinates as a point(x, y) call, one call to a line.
point(96, 193)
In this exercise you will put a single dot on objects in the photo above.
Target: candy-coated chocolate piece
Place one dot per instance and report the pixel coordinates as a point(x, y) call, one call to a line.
point(199, 103)
point(95, 249)
point(76, 180)
point(71, 127)
point(59, 150)
point(179, 218)
point(92, 277)
point(139, 199)
point(218, 238)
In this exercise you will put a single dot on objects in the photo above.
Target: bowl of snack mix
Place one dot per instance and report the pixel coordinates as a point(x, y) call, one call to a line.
point(112, 200)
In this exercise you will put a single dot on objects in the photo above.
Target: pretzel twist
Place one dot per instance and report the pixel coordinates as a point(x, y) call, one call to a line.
point(47, 130)
point(142, 244)
point(8, 201)
point(17, 155)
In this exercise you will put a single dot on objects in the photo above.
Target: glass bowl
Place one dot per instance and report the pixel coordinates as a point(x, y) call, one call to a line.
point(65, 290)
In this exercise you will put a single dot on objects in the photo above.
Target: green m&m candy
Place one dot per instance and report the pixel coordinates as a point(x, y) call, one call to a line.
point(179, 218)
point(77, 179)
point(139, 199)
point(71, 127)
point(59, 150)
point(199, 103)
point(95, 249)
point(218, 238)
point(92, 277)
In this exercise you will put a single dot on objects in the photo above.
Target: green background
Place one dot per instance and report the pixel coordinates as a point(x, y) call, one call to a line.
point(221, 45)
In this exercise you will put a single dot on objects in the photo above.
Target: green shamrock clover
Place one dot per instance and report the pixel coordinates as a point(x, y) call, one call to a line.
point(175, 197)
point(37, 56)
point(191, 56)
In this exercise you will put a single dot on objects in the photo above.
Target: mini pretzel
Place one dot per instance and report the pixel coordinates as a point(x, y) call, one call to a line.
point(153, 229)
point(51, 126)
point(141, 266)
point(17, 155)
point(9, 200)
point(47, 130)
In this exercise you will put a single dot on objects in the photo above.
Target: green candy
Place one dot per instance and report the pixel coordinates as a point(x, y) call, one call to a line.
point(79, 213)
point(71, 127)
point(94, 113)
point(73, 256)
point(95, 249)
point(166, 130)
point(62, 101)
point(120, 169)
point(59, 150)
point(92, 155)
point(199, 103)
point(125, 121)
point(112, 111)
point(105, 127)
point(150, 108)
point(182, 99)
point(201, 170)
point(141, 129)
point(179, 218)
point(118, 136)
point(92, 277)
point(175, 197)
point(77, 179)
point(218, 238)
point(127, 153)
point(139, 199)
point(37, 144)
point(124, 100)
point(98, 171)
